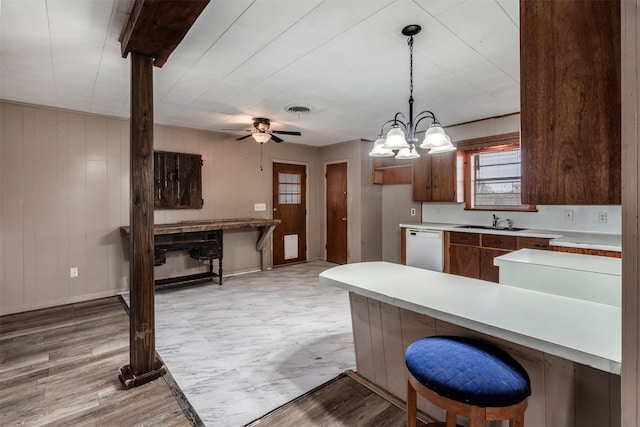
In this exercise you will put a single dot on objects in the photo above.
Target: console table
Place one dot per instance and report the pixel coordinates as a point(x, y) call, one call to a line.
point(203, 240)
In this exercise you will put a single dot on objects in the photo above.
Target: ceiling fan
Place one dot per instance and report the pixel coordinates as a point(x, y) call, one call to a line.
point(262, 133)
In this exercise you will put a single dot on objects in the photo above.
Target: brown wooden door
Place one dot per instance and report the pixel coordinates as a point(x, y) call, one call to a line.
point(290, 207)
point(337, 220)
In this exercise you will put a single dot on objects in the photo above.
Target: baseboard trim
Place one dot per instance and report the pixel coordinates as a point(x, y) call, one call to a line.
point(57, 302)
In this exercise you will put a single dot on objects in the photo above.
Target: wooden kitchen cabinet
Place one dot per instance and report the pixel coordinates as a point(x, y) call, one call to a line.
point(539, 243)
point(570, 102)
point(437, 178)
point(585, 251)
point(488, 271)
point(462, 254)
point(391, 171)
point(464, 261)
point(472, 254)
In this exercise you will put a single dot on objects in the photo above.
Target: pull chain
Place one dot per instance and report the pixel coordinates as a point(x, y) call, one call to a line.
point(261, 156)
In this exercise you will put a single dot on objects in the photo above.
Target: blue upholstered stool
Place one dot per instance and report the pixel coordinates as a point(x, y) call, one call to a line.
point(466, 377)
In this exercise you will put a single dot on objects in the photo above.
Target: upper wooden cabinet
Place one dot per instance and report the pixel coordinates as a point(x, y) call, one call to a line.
point(390, 171)
point(570, 101)
point(437, 178)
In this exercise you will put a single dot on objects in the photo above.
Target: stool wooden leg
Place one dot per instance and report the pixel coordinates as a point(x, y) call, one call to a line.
point(451, 419)
point(477, 416)
point(412, 409)
point(518, 421)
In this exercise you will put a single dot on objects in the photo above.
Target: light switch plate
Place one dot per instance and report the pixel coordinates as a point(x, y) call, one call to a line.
point(260, 207)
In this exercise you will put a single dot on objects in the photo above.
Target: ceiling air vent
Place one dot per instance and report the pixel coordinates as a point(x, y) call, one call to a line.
point(297, 109)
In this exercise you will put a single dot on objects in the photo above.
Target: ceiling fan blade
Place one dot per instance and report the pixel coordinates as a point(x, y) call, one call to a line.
point(243, 137)
point(276, 139)
point(237, 130)
point(286, 132)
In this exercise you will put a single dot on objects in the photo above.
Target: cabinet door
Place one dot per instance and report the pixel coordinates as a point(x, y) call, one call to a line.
point(444, 177)
point(421, 182)
point(570, 102)
point(464, 261)
point(488, 271)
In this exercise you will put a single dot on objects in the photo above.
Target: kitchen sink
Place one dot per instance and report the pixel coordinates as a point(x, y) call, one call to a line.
point(488, 227)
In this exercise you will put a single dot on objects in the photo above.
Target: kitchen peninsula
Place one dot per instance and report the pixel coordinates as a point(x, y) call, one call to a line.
point(570, 347)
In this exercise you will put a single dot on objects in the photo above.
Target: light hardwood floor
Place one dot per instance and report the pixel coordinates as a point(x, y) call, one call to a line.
point(59, 366)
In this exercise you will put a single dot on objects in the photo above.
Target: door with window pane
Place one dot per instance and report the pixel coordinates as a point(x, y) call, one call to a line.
point(289, 206)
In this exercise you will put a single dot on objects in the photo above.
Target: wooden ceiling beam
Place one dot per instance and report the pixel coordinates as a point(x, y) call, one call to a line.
point(156, 27)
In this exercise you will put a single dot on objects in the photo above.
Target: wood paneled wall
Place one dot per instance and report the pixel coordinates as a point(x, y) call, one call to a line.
point(630, 35)
point(64, 181)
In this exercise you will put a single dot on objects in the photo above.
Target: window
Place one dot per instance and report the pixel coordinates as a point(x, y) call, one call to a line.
point(492, 173)
point(495, 180)
point(289, 184)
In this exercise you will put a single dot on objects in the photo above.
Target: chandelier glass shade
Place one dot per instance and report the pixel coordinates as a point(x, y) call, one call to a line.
point(379, 150)
point(401, 136)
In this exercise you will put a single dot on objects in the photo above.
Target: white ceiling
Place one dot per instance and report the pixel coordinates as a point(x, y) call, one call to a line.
point(345, 59)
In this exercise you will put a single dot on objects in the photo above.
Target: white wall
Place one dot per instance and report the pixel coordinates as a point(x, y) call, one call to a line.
point(585, 218)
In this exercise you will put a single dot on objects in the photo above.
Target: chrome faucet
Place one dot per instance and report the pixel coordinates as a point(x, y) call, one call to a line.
point(495, 221)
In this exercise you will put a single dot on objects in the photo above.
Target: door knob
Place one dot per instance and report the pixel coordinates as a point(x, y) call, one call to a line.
point(344, 219)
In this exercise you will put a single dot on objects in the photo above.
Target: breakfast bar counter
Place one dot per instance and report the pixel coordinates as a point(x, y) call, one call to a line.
point(571, 347)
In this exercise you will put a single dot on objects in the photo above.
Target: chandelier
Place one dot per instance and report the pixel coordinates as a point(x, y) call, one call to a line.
point(401, 137)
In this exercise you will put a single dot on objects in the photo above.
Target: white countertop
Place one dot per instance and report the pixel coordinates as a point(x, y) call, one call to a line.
point(579, 262)
point(582, 331)
point(599, 241)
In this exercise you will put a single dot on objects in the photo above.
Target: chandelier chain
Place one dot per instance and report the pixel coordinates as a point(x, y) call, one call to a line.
point(411, 65)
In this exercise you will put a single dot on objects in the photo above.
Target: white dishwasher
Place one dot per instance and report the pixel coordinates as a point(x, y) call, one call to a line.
point(425, 249)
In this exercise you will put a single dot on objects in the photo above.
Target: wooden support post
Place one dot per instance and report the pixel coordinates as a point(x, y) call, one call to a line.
point(143, 366)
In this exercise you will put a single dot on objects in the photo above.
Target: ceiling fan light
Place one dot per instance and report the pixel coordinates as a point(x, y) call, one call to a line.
point(395, 138)
point(379, 150)
point(434, 137)
point(407, 154)
point(261, 137)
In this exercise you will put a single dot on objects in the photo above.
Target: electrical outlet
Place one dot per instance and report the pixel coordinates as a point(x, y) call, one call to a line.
point(73, 272)
point(437, 211)
point(413, 211)
point(568, 215)
point(260, 207)
point(602, 217)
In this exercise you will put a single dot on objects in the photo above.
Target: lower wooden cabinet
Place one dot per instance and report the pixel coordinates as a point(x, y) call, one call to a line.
point(472, 254)
point(488, 271)
point(612, 254)
point(464, 261)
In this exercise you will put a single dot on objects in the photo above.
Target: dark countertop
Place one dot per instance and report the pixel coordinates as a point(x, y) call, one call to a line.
point(207, 225)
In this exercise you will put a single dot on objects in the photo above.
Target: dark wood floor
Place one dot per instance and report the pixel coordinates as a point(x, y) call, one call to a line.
point(345, 401)
point(59, 366)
